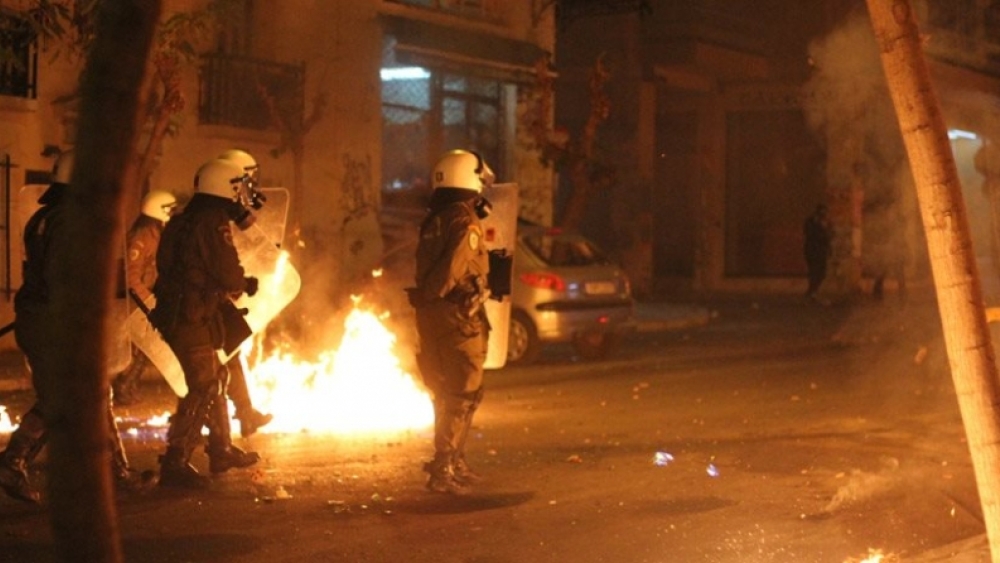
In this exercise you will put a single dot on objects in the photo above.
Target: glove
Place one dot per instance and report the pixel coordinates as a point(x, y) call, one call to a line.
point(252, 285)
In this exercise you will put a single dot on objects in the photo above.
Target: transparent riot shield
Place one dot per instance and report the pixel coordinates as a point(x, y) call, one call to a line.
point(500, 235)
point(273, 216)
point(148, 339)
point(279, 282)
point(118, 351)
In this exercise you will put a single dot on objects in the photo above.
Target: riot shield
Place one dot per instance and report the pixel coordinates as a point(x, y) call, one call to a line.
point(148, 339)
point(500, 237)
point(273, 216)
point(279, 282)
point(118, 351)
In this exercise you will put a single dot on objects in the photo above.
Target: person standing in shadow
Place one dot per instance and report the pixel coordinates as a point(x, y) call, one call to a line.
point(818, 237)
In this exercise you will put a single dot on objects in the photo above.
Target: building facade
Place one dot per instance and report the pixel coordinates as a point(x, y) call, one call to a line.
point(730, 121)
point(344, 103)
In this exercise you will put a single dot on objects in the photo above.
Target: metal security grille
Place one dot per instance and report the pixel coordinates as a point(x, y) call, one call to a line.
point(250, 93)
point(19, 62)
point(430, 112)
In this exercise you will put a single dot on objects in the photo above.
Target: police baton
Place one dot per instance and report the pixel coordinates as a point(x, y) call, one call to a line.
point(138, 303)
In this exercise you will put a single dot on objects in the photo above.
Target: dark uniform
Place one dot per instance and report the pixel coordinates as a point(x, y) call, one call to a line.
point(33, 317)
point(199, 273)
point(452, 267)
point(817, 235)
point(141, 242)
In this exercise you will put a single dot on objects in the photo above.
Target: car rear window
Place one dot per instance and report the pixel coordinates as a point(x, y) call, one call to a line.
point(565, 251)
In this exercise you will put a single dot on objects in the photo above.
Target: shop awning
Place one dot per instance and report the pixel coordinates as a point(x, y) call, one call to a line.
point(432, 45)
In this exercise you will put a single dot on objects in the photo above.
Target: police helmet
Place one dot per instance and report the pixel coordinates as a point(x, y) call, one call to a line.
point(462, 169)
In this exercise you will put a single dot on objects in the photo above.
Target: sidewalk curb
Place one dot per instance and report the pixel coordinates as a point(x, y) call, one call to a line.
point(683, 317)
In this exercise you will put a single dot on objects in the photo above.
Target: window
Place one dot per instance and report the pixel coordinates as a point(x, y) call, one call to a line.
point(426, 112)
point(245, 92)
point(18, 58)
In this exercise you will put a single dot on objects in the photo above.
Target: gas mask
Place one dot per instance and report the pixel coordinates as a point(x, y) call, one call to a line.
point(483, 208)
point(241, 215)
point(251, 196)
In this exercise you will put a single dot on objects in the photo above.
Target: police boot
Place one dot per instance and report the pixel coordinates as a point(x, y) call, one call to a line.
point(442, 476)
point(126, 479)
point(25, 443)
point(222, 454)
point(14, 477)
point(223, 459)
point(176, 471)
point(463, 473)
point(251, 421)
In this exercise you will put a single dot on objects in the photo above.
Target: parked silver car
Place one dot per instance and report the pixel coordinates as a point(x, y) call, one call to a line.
point(565, 290)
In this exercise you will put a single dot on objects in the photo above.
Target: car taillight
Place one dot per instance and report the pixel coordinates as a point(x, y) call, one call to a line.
point(544, 281)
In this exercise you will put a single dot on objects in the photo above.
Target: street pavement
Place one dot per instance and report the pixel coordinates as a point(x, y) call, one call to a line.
point(651, 317)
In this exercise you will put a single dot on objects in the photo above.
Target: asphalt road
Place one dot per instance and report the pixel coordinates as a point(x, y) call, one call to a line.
point(780, 431)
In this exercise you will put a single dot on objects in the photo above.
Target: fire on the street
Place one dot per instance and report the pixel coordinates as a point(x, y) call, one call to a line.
point(357, 388)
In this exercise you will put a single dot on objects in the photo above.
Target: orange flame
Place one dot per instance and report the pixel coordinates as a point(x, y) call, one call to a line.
point(358, 388)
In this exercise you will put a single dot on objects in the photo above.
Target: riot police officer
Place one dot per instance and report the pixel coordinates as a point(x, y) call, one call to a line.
point(198, 275)
point(451, 288)
point(33, 318)
point(141, 242)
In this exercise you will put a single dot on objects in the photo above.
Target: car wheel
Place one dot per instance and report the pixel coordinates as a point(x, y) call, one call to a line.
point(523, 346)
point(595, 345)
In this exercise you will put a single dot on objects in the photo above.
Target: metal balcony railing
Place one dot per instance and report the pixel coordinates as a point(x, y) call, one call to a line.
point(250, 93)
point(18, 58)
point(484, 9)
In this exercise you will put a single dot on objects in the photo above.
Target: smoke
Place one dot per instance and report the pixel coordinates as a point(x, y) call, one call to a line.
point(846, 99)
point(862, 485)
point(847, 103)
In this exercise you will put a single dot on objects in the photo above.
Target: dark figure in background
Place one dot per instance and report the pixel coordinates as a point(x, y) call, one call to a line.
point(141, 242)
point(198, 275)
point(818, 237)
point(451, 287)
point(32, 319)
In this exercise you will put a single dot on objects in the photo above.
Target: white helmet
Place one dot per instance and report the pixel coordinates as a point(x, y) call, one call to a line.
point(62, 170)
point(243, 159)
point(462, 169)
point(159, 205)
point(220, 178)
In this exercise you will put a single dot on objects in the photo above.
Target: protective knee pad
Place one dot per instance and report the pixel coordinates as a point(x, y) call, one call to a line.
point(191, 416)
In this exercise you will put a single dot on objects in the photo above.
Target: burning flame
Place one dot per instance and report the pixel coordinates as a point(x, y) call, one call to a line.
point(358, 388)
point(6, 426)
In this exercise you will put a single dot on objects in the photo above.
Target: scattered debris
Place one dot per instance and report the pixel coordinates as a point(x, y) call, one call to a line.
point(662, 459)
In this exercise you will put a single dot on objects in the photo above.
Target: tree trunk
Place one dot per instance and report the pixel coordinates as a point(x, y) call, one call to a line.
point(113, 84)
point(949, 243)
